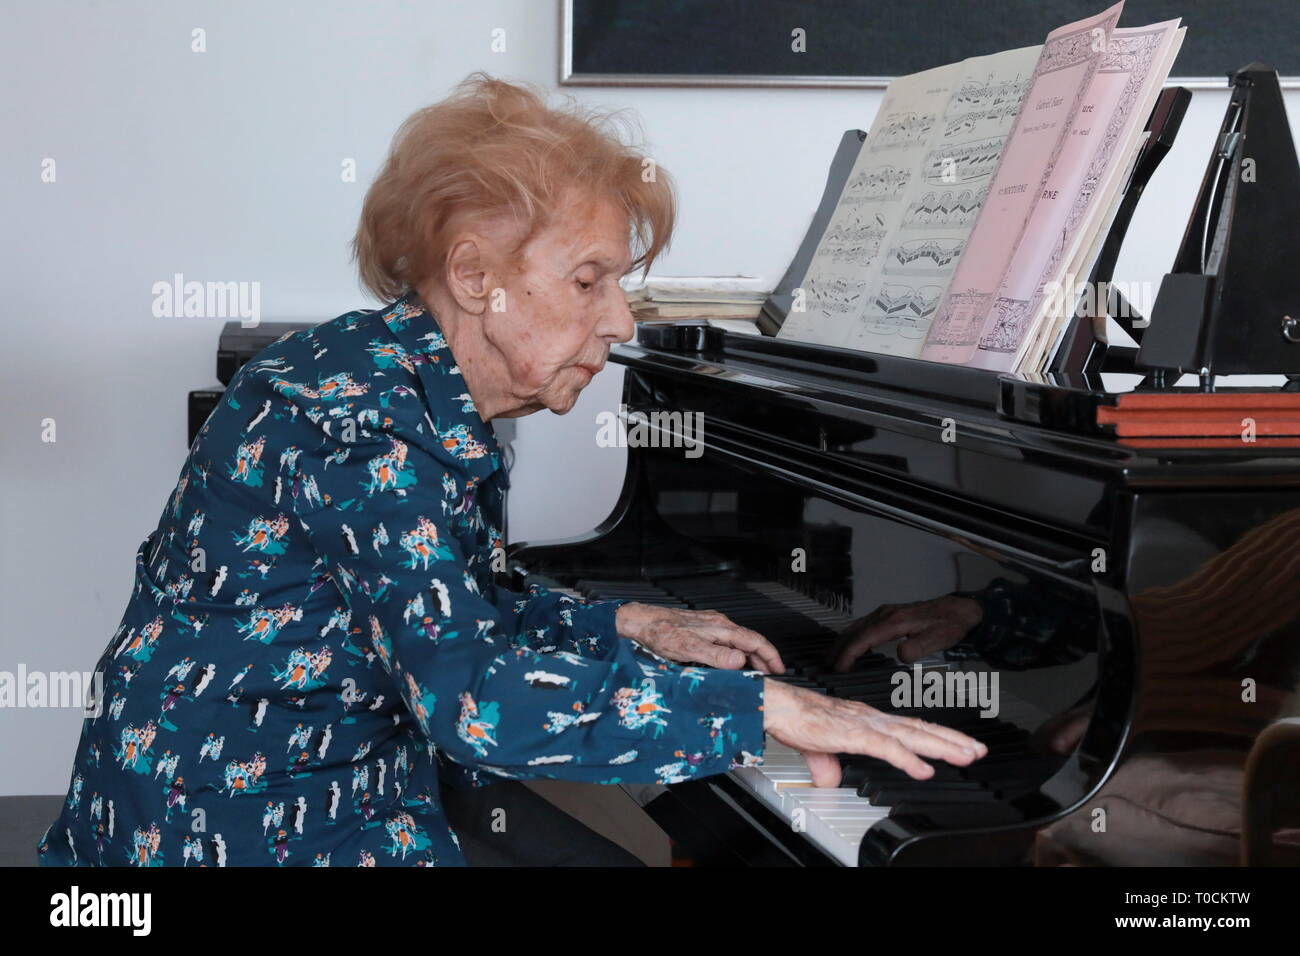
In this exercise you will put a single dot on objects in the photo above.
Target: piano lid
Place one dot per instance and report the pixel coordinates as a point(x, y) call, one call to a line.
point(1065, 414)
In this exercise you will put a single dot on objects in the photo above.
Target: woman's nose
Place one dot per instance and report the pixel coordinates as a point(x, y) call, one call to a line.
point(618, 324)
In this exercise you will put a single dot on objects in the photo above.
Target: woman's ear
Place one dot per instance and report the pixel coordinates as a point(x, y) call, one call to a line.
point(467, 276)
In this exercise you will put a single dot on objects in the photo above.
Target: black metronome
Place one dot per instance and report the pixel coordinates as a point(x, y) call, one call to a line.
point(1231, 304)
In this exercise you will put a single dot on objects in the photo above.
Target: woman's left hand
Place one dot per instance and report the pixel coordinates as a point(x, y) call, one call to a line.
point(926, 627)
point(698, 637)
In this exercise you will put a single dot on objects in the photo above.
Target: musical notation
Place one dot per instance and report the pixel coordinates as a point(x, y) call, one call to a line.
point(969, 123)
point(896, 300)
point(934, 253)
point(909, 129)
point(960, 164)
point(992, 92)
point(876, 184)
point(946, 207)
point(835, 296)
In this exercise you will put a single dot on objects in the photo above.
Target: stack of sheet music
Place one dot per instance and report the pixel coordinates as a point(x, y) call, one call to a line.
point(980, 198)
point(669, 298)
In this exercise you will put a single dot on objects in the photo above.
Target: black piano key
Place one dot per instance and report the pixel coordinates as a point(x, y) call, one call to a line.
point(933, 784)
point(1027, 767)
point(795, 681)
point(954, 785)
point(920, 794)
point(859, 769)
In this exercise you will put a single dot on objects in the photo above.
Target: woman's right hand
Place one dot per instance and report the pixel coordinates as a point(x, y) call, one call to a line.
point(819, 727)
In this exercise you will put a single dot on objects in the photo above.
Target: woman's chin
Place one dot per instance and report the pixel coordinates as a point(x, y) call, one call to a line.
point(562, 406)
point(563, 402)
point(564, 397)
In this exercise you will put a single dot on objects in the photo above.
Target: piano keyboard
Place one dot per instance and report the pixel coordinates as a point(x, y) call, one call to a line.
point(835, 819)
point(803, 630)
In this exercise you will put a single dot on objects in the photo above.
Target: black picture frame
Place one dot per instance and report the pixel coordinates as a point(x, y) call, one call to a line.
point(748, 42)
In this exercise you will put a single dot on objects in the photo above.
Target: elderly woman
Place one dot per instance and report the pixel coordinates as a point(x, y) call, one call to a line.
point(315, 640)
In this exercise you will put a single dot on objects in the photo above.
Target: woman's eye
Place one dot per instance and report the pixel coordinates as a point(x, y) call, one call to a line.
point(586, 286)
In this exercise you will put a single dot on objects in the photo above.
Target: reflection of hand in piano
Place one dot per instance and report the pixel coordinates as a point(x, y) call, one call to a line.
point(1062, 732)
point(820, 727)
point(697, 637)
point(927, 627)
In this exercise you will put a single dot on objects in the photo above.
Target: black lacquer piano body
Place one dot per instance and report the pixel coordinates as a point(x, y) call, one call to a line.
point(1153, 583)
point(1140, 596)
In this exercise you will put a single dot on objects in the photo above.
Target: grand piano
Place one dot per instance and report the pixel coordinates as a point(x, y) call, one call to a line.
point(1140, 585)
point(1144, 590)
point(1179, 564)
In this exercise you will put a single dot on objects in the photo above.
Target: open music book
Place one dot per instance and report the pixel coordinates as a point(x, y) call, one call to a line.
point(978, 199)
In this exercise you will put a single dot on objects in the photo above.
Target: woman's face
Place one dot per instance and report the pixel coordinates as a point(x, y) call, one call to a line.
point(560, 307)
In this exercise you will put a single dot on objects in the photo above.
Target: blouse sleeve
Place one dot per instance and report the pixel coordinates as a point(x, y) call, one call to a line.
point(555, 621)
point(1027, 625)
point(476, 678)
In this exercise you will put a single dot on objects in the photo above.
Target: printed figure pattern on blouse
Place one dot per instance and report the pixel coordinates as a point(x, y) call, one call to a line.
point(314, 637)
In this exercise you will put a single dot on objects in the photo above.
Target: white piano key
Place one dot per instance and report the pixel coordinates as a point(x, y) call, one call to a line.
point(837, 837)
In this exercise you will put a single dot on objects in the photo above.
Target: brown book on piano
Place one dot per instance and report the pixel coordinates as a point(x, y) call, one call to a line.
point(1204, 419)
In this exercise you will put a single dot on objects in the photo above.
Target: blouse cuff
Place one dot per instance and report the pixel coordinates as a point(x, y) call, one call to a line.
point(595, 628)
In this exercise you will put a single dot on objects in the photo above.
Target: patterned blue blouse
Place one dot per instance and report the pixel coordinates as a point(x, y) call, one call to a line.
point(315, 637)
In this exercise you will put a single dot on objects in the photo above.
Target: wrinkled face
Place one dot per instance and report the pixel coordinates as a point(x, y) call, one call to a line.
point(562, 306)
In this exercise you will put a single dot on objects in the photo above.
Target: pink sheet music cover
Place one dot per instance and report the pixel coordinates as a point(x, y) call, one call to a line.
point(1060, 82)
point(1131, 70)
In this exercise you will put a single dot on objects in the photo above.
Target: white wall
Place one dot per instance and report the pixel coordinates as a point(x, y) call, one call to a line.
point(225, 166)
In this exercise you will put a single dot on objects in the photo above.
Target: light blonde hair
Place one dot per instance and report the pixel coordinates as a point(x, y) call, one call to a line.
point(494, 148)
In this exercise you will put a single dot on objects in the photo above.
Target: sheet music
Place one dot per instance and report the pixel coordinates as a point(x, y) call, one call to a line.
point(1047, 336)
point(1088, 241)
point(870, 206)
point(1088, 247)
point(1060, 82)
point(938, 211)
point(1121, 95)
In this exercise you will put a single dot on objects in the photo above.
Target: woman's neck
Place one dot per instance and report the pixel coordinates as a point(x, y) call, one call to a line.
point(480, 363)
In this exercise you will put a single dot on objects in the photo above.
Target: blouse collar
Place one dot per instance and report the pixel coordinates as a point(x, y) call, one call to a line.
point(424, 350)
